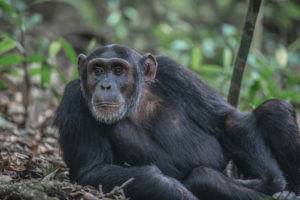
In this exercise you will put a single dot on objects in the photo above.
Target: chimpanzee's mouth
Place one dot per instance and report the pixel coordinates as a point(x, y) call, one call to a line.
point(107, 105)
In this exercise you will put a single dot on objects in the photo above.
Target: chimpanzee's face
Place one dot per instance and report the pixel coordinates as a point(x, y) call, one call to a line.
point(111, 86)
point(112, 80)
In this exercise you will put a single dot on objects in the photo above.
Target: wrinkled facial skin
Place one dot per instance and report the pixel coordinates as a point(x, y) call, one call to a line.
point(112, 79)
point(111, 88)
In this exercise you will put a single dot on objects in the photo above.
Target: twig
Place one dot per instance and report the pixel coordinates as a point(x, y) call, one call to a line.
point(241, 59)
point(26, 86)
point(118, 189)
point(10, 84)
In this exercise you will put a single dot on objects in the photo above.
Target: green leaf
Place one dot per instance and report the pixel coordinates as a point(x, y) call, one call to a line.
point(293, 79)
point(75, 72)
point(287, 94)
point(56, 94)
point(35, 71)
point(3, 85)
point(92, 44)
point(54, 49)
point(272, 87)
point(121, 31)
point(60, 74)
point(11, 59)
point(281, 56)
point(196, 59)
point(180, 45)
point(114, 18)
point(267, 73)
point(12, 72)
point(228, 30)
point(254, 88)
point(7, 7)
point(70, 52)
point(130, 12)
point(256, 102)
point(35, 58)
point(126, 164)
point(7, 44)
point(36, 18)
point(211, 69)
point(45, 76)
point(227, 57)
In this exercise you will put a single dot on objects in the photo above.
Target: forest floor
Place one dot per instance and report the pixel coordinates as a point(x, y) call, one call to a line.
point(31, 166)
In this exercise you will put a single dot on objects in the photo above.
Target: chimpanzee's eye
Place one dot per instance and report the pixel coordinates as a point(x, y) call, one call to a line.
point(98, 70)
point(118, 69)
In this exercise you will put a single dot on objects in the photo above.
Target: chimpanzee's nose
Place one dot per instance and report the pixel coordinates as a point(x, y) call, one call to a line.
point(105, 86)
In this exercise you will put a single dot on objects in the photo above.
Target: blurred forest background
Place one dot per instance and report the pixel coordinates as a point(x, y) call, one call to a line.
point(40, 41)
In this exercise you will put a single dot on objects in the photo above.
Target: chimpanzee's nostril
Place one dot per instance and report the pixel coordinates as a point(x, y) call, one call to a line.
point(105, 87)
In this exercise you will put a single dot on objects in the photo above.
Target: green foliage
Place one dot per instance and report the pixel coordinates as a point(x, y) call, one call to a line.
point(7, 44)
point(54, 49)
point(7, 7)
point(196, 59)
point(35, 58)
point(203, 36)
point(273, 81)
point(91, 45)
point(70, 52)
point(117, 21)
point(11, 59)
point(45, 75)
point(60, 74)
point(39, 64)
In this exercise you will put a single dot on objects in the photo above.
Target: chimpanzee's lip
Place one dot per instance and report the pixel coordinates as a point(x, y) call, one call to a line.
point(104, 104)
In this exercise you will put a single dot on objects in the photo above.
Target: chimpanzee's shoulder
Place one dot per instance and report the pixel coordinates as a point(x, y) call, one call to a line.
point(72, 104)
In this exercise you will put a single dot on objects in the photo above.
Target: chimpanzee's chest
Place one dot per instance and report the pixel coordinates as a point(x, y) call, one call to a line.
point(175, 147)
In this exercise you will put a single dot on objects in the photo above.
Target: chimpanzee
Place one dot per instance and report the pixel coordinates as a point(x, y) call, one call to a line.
point(150, 118)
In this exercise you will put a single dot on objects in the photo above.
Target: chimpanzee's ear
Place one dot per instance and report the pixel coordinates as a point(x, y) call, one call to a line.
point(150, 66)
point(80, 61)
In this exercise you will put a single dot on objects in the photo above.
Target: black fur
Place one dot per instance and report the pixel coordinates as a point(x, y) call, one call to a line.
point(179, 150)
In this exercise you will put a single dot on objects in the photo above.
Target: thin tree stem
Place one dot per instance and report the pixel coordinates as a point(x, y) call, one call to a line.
point(241, 59)
point(26, 80)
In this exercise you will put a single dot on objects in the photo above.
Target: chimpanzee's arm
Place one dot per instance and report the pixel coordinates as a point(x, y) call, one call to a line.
point(89, 155)
point(149, 182)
